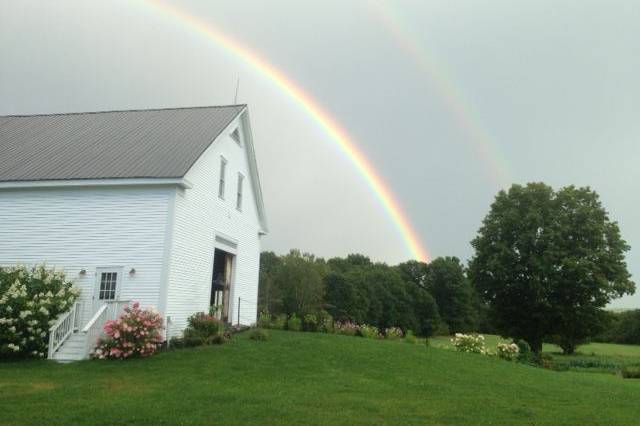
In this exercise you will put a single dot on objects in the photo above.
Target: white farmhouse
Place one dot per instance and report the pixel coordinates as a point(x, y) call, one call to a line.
point(162, 206)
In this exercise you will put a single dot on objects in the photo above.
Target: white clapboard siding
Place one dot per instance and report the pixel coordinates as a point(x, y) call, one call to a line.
point(199, 216)
point(89, 228)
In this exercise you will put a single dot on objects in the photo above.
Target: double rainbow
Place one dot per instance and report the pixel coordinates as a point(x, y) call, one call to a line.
point(400, 29)
point(335, 132)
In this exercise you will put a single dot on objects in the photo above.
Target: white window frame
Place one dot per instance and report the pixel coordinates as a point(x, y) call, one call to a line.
point(239, 191)
point(105, 270)
point(222, 177)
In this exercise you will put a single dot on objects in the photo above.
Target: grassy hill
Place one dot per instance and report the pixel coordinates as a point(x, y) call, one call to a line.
point(299, 378)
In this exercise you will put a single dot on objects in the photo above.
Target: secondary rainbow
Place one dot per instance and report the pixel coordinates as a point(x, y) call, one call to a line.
point(337, 134)
point(455, 101)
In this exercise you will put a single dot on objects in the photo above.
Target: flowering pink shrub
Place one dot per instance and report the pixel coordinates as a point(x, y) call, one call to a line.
point(137, 332)
point(347, 328)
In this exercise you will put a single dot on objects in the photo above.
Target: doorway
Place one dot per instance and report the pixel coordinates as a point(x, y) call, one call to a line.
point(221, 283)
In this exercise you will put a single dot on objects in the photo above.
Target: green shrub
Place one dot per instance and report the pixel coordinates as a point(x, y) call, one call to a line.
point(259, 334)
point(30, 302)
point(325, 322)
point(279, 322)
point(409, 337)
point(368, 331)
point(631, 372)
point(310, 323)
point(442, 329)
point(177, 343)
point(264, 320)
point(523, 347)
point(203, 329)
point(294, 323)
point(393, 333)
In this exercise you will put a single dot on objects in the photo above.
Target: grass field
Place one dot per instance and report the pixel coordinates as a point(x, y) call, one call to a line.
point(299, 378)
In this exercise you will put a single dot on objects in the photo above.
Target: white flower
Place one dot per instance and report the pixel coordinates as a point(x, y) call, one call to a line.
point(24, 314)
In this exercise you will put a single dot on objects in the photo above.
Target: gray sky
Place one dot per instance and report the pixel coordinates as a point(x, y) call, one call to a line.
point(450, 100)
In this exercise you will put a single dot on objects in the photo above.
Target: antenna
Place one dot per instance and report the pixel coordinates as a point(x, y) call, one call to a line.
point(235, 98)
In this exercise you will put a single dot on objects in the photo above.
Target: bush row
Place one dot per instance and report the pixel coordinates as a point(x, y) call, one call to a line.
point(322, 322)
point(203, 329)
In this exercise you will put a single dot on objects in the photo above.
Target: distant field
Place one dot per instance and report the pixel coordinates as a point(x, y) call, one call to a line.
point(593, 357)
point(304, 378)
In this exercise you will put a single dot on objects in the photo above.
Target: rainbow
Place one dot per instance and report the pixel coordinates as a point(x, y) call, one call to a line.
point(483, 146)
point(335, 132)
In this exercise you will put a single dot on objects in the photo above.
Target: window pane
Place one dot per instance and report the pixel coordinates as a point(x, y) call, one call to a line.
point(239, 194)
point(223, 169)
point(108, 284)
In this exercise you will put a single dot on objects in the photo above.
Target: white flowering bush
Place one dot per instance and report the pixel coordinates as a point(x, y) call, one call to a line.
point(472, 343)
point(508, 351)
point(30, 302)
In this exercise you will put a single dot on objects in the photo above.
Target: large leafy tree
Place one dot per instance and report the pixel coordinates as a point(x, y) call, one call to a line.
point(548, 262)
point(448, 284)
point(269, 294)
point(293, 283)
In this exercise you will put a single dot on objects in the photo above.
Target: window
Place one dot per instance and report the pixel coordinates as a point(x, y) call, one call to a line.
point(239, 195)
point(108, 284)
point(223, 170)
point(235, 135)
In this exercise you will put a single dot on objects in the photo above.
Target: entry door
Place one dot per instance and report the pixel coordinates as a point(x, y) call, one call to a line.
point(108, 283)
point(227, 286)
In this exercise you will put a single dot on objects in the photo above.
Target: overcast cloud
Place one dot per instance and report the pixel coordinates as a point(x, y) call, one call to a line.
point(553, 86)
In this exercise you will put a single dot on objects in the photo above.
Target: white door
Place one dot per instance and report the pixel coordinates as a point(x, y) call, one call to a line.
point(108, 283)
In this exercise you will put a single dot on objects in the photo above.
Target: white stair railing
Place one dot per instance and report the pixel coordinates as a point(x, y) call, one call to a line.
point(94, 328)
point(66, 324)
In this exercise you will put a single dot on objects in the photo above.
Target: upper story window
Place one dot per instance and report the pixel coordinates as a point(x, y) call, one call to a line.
point(223, 171)
point(239, 194)
point(235, 135)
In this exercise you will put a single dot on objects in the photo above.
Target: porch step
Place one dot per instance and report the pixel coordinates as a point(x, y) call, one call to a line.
point(72, 349)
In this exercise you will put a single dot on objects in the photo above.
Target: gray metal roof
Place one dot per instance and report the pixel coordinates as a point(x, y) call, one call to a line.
point(158, 143)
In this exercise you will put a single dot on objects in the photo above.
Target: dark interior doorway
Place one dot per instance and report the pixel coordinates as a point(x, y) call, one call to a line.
point(221, 283)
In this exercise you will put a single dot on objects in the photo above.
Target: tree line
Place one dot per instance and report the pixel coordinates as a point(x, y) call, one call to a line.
point(424, 298)
point(545, 265)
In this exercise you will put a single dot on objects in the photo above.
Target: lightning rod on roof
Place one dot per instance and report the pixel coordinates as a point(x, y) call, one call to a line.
point(235, 98)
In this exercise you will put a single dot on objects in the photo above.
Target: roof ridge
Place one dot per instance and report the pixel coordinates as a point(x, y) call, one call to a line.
point(123, 110)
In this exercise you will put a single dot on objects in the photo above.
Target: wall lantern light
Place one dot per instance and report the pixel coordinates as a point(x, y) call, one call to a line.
point(83, 271)
point(132, 271)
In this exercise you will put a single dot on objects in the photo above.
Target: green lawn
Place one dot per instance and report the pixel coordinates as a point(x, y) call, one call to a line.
point(299, 378)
